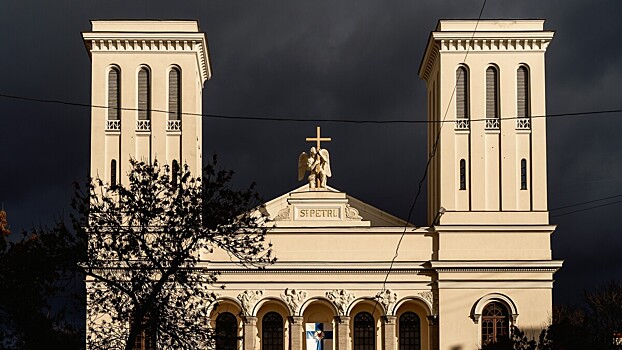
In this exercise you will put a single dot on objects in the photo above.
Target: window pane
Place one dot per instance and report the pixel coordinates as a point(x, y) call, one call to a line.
point(226, 332)
point(410, 332)
point(364, 332)
point(272, 332)
point(522, 92)
point(144, 98)
point(462, 103)
point(174, 106)
point(492, 93)
point(495, 321)
point(113, 94)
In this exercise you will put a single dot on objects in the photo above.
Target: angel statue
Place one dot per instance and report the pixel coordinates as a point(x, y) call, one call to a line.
point(317, 162)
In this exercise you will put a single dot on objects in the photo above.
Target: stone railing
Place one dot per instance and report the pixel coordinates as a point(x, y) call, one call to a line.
point(143, 125)
point(113, 125)
point(492, 124)
point(523, 124)
point(462, 124)
point(173, 125)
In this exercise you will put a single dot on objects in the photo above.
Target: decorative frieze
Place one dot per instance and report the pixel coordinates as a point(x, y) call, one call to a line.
point(492, 124)
point(462, 124)
point(294, 298)
point(341, 298)
point(248, 299)
point(523, 123)
point(387, 299)
point(143, 125)
point(494, 44)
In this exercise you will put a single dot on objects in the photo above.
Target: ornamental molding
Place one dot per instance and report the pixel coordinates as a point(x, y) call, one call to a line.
point(387, 299)
point(341, 298)
point(493, 44)
point(284, 214)
point(249, 299)
point(152, 42)
point(352, 213)
point(293, 298)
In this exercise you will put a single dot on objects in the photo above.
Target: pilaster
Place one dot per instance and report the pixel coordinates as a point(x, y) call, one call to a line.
point(388, 333)
point(342, 328)
point(250, 332)
point(296, 331)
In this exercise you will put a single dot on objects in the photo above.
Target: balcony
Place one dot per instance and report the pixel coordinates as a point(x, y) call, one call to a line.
point(462, 124)
point(143, 125)
point(113, 125)
point(173, 125)
point(492, 124)
point(523, 124)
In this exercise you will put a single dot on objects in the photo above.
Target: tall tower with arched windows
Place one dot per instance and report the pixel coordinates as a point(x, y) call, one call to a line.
point(147, 80)
point(487, 192)
point(486, 96)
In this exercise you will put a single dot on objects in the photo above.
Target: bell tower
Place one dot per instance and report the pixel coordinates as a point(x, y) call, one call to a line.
point(146, 90)
point(486, 95)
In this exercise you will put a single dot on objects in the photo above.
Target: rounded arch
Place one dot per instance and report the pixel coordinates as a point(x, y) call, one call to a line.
point(365, 300)
point(276, 302)
point(173, 81)
point(224, 304)
point(317, 300)
point(478, 307)
point(418, 300)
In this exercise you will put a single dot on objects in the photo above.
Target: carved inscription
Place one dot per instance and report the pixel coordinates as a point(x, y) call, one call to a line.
point(318, 213)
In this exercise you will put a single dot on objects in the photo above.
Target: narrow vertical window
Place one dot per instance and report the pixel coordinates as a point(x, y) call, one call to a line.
point(146, 339)
point(523, 174)
point(364, 332)
point(410, 331)
point(226, 332)
point(522, 92)
point(174, 95)
point(144, 95)
point(113, 172)
point(495, 323)
point(462, 174)
point(175, 171)
point(492, 97)
point(114, 94)
point(272, 332)
point(462, 93)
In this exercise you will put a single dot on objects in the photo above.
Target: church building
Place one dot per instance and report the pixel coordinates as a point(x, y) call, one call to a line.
point(482, 263)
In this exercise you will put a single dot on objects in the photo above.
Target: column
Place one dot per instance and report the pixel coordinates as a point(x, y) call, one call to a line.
point(342, 333)
point(388, 333)
point(250, 332)
point(296, 329)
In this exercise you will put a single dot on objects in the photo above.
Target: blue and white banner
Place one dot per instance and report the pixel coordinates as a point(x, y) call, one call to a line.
point(319, 336)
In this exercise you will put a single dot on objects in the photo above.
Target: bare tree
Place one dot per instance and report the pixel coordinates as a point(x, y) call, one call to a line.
point(148, 244)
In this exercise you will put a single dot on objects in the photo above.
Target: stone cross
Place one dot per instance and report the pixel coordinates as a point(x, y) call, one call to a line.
point(317, 138)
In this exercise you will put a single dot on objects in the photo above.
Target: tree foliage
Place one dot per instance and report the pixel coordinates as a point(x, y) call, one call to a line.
point(148, 244)
point(41, 297)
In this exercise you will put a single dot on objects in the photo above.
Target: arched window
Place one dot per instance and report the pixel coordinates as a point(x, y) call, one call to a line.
point(272, 332)
point(522, 92)
point(364, 332)
point(144, 95)
point(174, 94)
point(410, 331)
point(175, 171)
point(462, 174)
point(495, 323)
point(113, 172)
point(492, 93)
point(523, 174)
point(114, 93)
point(462, 93)
point(226, 332)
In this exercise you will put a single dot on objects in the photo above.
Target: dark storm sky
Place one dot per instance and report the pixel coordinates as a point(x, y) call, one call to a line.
point(321, 59)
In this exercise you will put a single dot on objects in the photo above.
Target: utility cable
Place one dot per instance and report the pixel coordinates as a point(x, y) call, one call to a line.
point(305, 120)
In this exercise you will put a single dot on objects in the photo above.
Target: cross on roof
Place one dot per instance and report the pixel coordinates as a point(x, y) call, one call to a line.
point(317, 138)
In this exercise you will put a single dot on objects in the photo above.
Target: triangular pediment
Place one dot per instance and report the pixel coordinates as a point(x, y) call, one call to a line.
point(328, 207)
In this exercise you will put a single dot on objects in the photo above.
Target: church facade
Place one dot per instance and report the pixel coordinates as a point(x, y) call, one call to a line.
point(484, 261)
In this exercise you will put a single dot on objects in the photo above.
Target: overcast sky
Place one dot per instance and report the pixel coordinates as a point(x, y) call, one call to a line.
point(321, 59)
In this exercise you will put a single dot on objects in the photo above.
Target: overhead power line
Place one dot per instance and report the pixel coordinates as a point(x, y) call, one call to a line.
point(315, 120)
point(586, 202)
point(585, 209)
